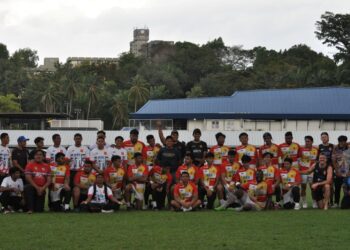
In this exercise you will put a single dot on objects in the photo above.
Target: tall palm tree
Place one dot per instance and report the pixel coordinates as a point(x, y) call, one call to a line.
point(50, 98)
point(92, 98)
point(120, 109)
point(72, 91)
point(139, 92)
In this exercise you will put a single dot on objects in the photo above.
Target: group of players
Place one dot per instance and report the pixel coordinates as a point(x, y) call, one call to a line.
point(174, 175)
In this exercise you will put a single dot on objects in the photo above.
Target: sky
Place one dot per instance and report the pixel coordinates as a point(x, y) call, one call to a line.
point(103, 28)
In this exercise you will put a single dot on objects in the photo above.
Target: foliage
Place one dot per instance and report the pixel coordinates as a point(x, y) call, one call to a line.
point(111, 91)
point(9, 103)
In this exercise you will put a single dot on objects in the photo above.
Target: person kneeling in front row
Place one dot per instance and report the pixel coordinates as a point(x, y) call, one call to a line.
point(11, 191)
point(100, 198)
point(185, 194)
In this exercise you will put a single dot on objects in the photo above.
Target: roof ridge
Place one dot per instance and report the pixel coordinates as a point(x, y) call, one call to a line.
point(285, 89)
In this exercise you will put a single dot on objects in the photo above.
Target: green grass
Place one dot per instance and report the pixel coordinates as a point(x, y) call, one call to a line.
point(304, 229)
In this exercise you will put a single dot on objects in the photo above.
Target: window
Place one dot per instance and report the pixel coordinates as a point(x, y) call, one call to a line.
point(215, 124)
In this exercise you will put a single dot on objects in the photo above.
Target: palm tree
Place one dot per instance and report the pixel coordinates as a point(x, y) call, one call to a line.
point(138, 93)
point(120, 109)
point(50, 98)
point(71, 93)
point(92, 96)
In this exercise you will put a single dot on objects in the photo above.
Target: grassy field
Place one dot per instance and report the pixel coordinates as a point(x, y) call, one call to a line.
point(304, 229)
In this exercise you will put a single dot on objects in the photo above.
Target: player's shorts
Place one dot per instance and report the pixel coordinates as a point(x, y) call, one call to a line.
point(139, 190)
point(288, 197)
point(318, 193)
point(245, 200)
point(306, 178)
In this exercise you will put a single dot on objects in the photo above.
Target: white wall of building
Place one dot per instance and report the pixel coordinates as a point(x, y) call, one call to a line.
point(89, 137)
point(260, 125)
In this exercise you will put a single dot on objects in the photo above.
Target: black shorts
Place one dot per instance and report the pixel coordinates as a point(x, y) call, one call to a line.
point(82, 198)
point(318, 193)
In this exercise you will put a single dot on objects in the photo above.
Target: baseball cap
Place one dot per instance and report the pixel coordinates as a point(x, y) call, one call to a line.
point(22, 138)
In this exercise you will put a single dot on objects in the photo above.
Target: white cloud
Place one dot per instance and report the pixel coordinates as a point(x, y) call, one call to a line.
point(104, 27)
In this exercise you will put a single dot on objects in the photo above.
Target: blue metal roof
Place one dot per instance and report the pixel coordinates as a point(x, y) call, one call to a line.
point(332, 103)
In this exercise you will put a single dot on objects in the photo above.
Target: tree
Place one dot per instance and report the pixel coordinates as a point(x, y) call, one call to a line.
point(25, 58)
point(138, 93)
point(4, 53)
point(120, 109)
point(9, 103)
point(50, 97)
point(92, 97)
point(334, 30)
point(196, 91)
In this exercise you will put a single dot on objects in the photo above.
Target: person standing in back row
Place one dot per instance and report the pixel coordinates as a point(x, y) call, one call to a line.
point(56, 148)
point(197, 148)
point(20, 154)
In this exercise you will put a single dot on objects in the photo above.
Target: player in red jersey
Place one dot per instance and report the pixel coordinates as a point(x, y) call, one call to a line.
point(271, 176)
point(228, 169)
point(115, 177)
point(38, 176)
point(290, 149)
point(246, 149)
point(290, 180)
point(271, 148)
point(210, 185)
point(190, 168)
point(185, 194)
point(160, 181)
point(137, 176)
point(133, 146)
point(220, 150)
point(150, 155)
point(308, 156)
point(82, 182)
point(59, 187)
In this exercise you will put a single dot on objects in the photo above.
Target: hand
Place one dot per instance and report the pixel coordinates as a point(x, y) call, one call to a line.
point(209, 192)
point(314, 186)
point(66, 187)
point(159, 124)
point(84, 202)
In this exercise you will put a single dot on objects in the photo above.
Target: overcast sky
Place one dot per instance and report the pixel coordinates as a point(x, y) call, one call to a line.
point(103, 28)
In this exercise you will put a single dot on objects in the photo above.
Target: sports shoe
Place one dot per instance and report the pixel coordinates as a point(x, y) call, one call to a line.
point(335, 205)
point(6, 211)
point(314, 204)
point(220, 208)
point(238, 209)
point(187, 209)
point(107, 211)
point(296, 206)
point(305, 204)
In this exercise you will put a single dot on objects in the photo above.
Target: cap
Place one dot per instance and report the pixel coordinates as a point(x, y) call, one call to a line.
point(22, 139)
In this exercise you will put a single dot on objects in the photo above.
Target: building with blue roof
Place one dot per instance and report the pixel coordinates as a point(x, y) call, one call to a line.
point(302, 109)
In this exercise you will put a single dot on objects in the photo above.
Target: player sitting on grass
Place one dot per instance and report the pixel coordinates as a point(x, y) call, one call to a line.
point(185, 194)
point(243, 177)
point(82, 181)
point(322, 181)
point(137, 176)
point(59, 187)
point(271, 175)
point(115, 177)
point(11, 191)
point(160, 181)
point(290, 180)
point(209, 181)
point(100, 198)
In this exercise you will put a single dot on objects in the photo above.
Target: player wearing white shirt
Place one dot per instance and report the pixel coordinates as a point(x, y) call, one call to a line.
point(119, 150)
point(11, 190)
point(100, 133)
point(5, 156)
point(99, 156)
point(100, 197)
point(56, 148)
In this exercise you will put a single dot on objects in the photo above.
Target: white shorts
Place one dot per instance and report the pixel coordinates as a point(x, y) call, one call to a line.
point(287, 197)
point(245, 200)
point(306, 178)
point(139, 190)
